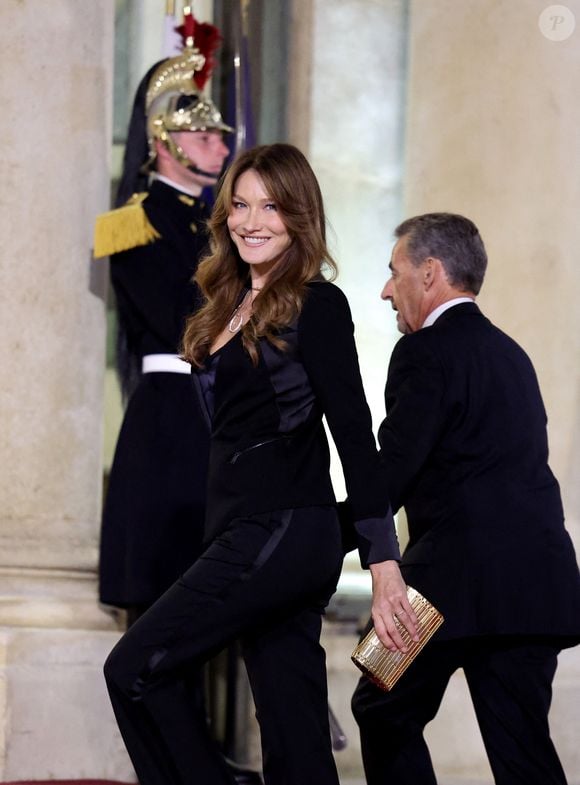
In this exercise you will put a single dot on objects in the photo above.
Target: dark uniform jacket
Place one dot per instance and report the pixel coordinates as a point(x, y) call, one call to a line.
point(153, 518)
point(268, 447)
point(466, 453)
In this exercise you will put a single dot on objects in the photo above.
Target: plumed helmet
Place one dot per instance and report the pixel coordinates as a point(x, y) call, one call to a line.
point(187, 112)
point(175, 100)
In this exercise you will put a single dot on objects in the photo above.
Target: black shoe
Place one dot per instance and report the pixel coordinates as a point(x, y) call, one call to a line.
point(243, 775)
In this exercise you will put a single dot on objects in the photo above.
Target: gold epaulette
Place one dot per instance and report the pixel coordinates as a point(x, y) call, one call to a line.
point(124, 228)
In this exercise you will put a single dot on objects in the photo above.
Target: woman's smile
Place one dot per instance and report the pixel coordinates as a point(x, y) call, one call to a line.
point(256, 227)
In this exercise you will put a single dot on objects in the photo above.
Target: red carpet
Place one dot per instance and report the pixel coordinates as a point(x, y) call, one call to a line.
point(67, 782)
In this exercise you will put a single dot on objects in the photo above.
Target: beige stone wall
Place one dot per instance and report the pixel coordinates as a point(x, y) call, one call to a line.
point(55, 94)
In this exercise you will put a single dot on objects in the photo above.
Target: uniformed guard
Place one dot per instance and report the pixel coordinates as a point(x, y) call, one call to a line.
point(154, 507)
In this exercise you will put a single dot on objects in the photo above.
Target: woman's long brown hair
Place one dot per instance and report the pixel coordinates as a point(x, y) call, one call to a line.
point(222, 276)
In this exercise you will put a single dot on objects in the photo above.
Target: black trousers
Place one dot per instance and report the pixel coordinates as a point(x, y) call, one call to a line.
point(266, 580)
point(510, 683)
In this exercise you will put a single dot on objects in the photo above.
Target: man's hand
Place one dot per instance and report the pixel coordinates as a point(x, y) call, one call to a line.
point(390, 601)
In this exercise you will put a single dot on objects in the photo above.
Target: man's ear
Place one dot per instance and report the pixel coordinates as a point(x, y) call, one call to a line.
point(160, 148)
point(428, 272)
point(433, 271)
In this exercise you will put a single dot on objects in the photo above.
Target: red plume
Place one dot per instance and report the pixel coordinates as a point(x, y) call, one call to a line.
point(206, 38)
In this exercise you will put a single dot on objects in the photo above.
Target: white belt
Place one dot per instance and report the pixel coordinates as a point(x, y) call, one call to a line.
point(164, 363)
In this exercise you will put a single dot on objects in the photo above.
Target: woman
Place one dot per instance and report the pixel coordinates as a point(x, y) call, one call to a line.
point(273, 352)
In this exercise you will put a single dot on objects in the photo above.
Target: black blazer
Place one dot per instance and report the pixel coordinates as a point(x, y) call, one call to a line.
point(466, 453)
point(153, 283)
point(268, 445)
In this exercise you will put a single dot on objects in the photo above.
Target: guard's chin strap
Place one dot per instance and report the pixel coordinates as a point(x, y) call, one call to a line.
point(196, 170)
point(177, 152)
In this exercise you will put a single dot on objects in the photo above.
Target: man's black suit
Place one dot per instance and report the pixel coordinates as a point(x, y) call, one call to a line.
point(465, 450)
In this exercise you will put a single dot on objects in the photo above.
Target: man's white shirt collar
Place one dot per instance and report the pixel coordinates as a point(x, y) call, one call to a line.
point(167, 181)
point(434, 315)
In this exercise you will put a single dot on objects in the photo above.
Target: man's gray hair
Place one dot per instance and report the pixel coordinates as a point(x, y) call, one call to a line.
point(452, 239)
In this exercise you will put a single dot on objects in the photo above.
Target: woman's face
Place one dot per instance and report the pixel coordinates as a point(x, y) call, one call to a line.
point(255, 225)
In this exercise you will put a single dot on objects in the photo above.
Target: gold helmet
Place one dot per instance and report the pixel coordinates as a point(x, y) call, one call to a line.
point(175, 100)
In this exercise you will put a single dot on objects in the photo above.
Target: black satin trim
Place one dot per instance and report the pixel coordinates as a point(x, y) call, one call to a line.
point(136, 691)
point(282, 518)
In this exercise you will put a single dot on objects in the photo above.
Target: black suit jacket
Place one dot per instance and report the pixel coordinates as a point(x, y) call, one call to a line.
point(466, 453)
point(153, 283)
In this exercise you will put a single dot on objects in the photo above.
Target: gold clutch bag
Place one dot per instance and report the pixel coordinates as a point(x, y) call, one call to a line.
point(384, 667)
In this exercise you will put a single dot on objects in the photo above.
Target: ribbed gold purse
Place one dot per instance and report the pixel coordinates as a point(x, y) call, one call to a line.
point(383, 667)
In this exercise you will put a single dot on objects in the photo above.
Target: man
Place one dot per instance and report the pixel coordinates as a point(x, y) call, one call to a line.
point(465, 450)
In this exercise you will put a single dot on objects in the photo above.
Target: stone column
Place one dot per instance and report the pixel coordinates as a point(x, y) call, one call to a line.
point(55, 93)
point(492, 132)
point(346, 88)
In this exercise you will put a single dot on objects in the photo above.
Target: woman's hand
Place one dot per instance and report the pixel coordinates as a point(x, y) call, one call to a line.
point(390, 602)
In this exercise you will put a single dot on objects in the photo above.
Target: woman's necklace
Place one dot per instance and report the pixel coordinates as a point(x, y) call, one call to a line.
point(238, 316)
